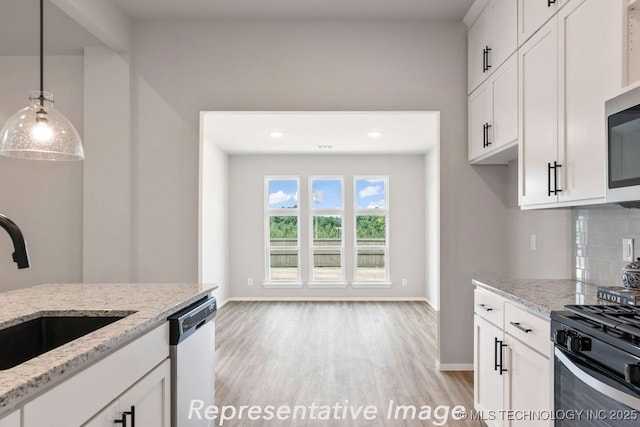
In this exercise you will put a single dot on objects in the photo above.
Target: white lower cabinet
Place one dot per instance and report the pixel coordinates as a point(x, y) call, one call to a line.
point(526, 386)
point(488, 383)
point(134, 375)
point(11, 420)
point(146, 403)
point(511, 364)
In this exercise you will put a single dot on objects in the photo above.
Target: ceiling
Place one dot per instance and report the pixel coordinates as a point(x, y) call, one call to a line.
point(296, 9)
point(328, 132)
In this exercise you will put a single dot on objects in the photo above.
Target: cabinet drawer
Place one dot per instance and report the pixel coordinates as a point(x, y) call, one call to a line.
point(489, 306)
point(527, 327)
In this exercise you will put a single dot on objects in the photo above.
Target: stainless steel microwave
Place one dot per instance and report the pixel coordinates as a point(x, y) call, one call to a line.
point(623, 147)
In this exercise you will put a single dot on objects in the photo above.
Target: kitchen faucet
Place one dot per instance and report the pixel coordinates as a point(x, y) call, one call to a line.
point(20, 256)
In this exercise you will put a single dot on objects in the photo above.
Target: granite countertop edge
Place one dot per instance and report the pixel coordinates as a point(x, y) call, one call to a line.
point(541, 296)
point(29, 379)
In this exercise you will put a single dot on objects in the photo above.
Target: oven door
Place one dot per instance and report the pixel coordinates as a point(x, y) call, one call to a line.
point(585, 396)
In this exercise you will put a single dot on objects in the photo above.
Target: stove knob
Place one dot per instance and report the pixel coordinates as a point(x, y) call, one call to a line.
point(632, 373)
point(560, 337)
point(577, 343)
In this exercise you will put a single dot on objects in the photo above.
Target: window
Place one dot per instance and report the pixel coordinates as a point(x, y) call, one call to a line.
point(282, 230)
point(305, 243)
point(326, 230)
point(371, 231)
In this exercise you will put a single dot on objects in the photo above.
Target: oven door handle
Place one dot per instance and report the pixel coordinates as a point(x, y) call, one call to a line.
point(606, 389)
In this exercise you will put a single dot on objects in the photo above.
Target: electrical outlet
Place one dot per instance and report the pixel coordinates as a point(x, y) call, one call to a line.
point(250, 281)
point(627, 250)
point(533, 243)
point(404, 282)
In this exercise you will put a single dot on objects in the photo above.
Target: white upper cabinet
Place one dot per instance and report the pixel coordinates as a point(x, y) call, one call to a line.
point(493, 117)
point(492, 39)
point(567, 70)
point(591, 73)
point(532, 14)
point(538, 64)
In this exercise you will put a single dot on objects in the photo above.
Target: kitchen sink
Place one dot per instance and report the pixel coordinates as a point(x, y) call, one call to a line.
point(34, 337)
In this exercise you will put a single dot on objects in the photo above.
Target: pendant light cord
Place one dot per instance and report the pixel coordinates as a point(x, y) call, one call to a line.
point(41, 53)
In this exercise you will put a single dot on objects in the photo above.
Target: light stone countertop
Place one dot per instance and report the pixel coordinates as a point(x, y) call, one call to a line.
point(149, 303)
point(542, 296)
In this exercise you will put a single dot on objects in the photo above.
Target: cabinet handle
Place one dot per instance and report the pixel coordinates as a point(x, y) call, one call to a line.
point(488, 126)
point(132, 412)
point(550, 2)
point(487, 50)
point(485, 308)
point(523, 329)
point(484, 135)
point(555, 190)
point(498, 345)
point(484, 60)
point(123, 420)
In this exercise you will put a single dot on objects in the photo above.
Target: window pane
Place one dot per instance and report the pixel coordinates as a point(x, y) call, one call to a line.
point(283, 230)
point(327, 193)
point(283, 265)
point(370, 194)
point(370, 265)
point(327, 230)
point(371, 230)
point(283, 193)
point(327, 265)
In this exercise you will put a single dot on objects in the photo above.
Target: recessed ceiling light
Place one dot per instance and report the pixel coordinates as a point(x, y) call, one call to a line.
point(375, 134)
point(276, 134)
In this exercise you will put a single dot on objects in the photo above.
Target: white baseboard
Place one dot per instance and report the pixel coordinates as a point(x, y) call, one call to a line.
point(397, 299)
point(454, 366)
point(431, 304)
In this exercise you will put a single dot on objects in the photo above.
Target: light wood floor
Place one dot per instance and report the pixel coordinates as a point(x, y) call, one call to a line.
point(323, 353)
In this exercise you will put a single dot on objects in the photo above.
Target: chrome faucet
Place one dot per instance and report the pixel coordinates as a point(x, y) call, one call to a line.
point(20, 256)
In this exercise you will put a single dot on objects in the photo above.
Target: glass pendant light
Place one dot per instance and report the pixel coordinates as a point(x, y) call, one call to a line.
point(39, 131)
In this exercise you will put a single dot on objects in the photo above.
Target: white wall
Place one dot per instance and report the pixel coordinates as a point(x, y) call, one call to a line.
point(406, 219)
point(43, 198)
point(214, 219)
point(107, 198)
point(432, 224)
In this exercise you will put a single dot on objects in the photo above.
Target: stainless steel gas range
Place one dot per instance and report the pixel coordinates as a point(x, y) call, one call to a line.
point(596, 368)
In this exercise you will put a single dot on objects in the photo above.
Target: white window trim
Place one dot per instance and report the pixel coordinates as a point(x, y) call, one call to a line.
point(268, 213)
point(318, 284)
point(386, 282)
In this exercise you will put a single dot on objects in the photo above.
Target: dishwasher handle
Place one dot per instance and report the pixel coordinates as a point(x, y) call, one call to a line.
point(185, 322)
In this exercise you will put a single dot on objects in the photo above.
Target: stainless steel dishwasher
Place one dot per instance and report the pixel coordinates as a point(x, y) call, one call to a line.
point(192, 341)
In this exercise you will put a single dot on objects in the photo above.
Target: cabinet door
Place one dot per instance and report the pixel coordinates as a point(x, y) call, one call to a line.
point(488, 383)
point(527, 385)
point(538, 75)
point(12, 420)
point(505, 31)
point(148, 401)
point(505, 104)
point(590, 52)
point(532, 14)
point(480, 112)
point(479, 38)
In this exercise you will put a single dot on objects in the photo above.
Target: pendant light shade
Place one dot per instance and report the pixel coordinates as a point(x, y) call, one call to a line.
point(39, 131)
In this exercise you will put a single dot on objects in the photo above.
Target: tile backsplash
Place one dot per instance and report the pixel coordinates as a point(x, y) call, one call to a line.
point(598, 232)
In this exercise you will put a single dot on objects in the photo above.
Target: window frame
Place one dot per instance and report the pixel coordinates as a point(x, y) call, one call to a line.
point(270, 212)
point(386, 282)
point(313, 212)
